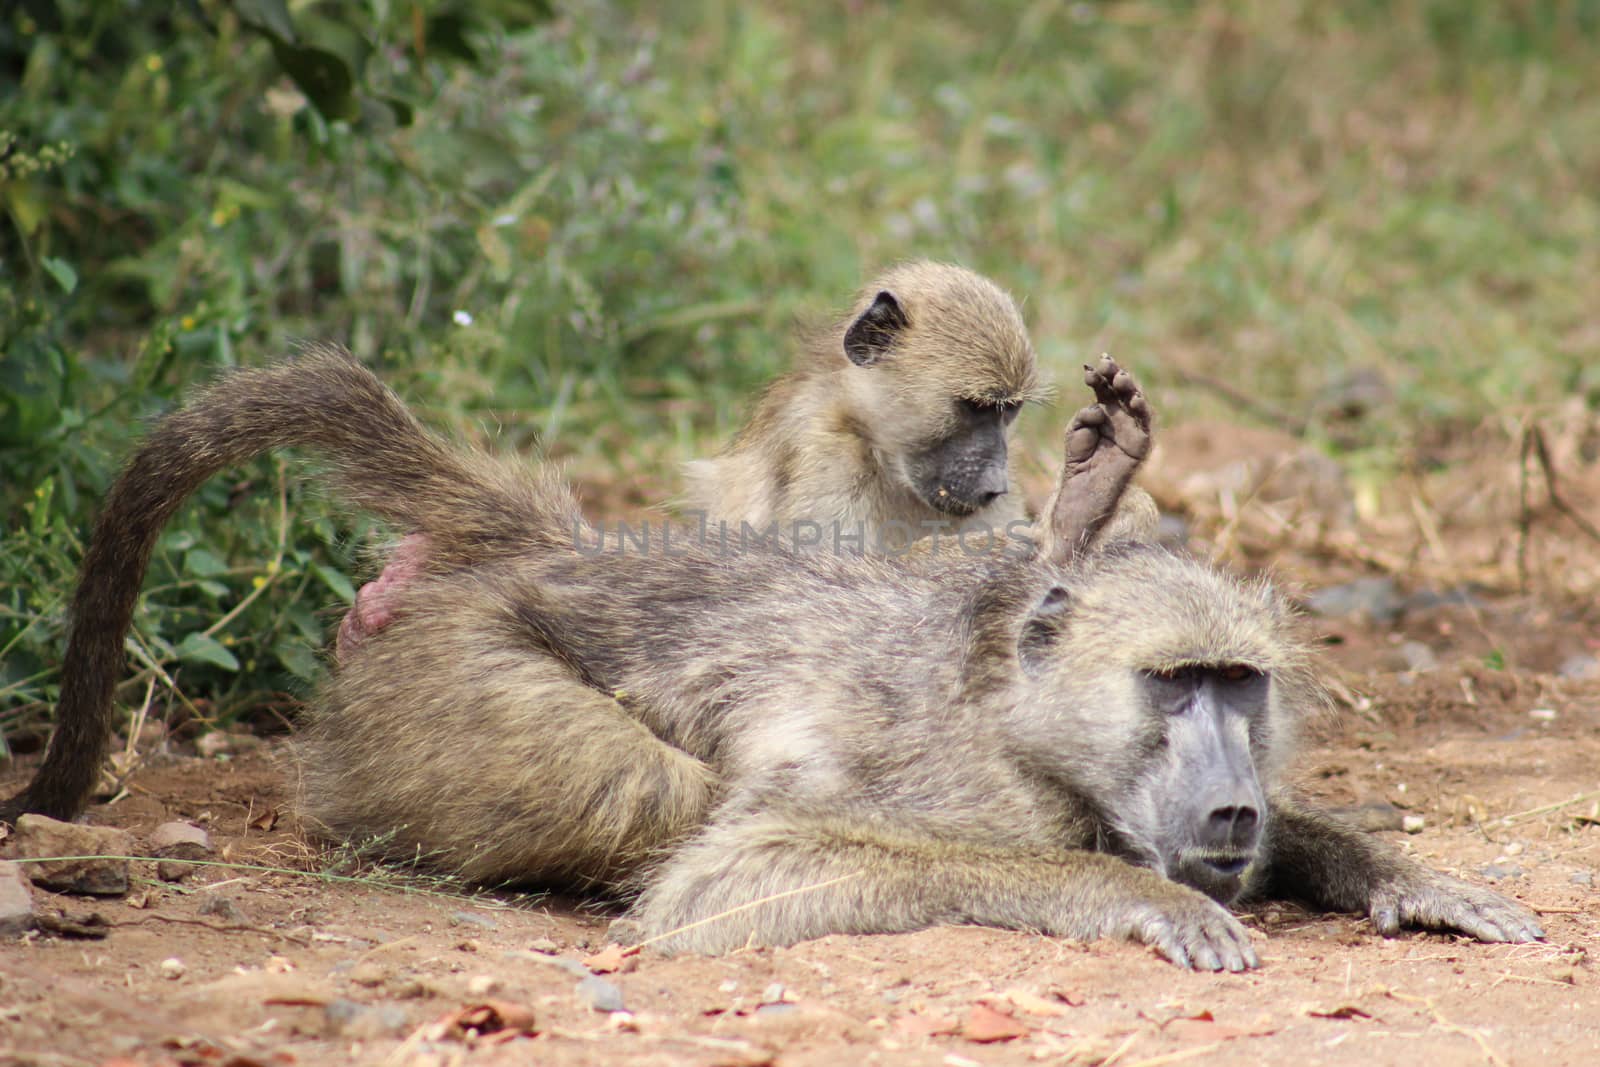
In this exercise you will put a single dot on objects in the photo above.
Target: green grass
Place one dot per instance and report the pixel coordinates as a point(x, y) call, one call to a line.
point(633, 203)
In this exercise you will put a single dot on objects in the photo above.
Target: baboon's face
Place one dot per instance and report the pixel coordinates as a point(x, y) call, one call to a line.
point(1199, 807)
point(965, 470)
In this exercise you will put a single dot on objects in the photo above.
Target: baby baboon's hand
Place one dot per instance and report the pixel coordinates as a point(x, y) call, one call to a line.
point(1189, 929)
point(1435, 901)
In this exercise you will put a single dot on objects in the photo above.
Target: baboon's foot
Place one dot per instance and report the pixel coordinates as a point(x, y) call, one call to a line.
point(1435, 901)
point(1191, 930)
point(1106, 443)
point(375, 602)
point(1115, 430)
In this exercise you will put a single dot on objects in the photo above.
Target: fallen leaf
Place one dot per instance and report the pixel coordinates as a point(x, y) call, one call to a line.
point(266, 820)
point(1204, 1027)
point(984, 1024)
point(487, 1017)
point(1343, 1011)
point(612, 958)
point(1022, 1000)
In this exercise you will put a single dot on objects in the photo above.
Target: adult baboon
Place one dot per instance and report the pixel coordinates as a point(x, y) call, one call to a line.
point(1081, 743)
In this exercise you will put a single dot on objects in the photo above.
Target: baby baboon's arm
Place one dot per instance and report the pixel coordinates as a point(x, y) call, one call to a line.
point(1312, 858)
point(770, 880)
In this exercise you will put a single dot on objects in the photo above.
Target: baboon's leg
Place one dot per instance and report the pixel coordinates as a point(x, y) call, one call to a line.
point(770, 880)
point(1105, 444)
point(446, 738)
point(1310, 857)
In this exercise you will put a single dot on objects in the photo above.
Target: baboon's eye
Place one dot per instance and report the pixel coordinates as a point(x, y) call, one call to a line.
point(1009, 410)
point(1171, 674)
point(1237, 672)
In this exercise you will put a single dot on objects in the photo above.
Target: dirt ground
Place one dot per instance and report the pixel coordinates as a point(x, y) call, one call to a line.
point(1470, 696)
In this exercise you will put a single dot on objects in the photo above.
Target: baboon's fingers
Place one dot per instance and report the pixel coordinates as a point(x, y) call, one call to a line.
point(1101, 379)
point(1200, 937)
point(1443, 903)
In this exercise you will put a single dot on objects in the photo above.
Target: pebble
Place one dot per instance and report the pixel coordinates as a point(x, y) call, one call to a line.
point(728, 986)
point(1583, 878)
point(37, 837)
point(1376, 598)
point(360, 1022)
point(468, 918)
point(173, 968)
point(1542, 714)
point(1579, 667)
point(481, 985)
point(368, 973)
point(1418, 657)
point(544, 944)
point(600, 994)
point(1496, 871)
point(1413, 824)
point(773, 994)
point(16, 901)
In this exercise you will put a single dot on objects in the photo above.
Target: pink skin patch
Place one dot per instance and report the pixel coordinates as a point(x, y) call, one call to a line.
point(376, 601)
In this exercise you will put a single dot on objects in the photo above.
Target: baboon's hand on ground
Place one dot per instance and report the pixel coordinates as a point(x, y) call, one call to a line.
point(1434, 901)
point(1188, 928)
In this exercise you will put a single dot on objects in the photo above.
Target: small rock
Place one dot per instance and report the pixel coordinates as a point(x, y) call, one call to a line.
point(1543, 714)
point(1376, 598)
point(174, 842)
point(1582, 878)
point(768, 1011)
point(173, 968)
point(1413, 824)
point(481, 985)
point(223, 907)
point(1579, 667)
point(467, 918)
point(37, 837)
point(359, 1022)
point(368, 973)
point(728, 985)
point(16, 902)
point(1418, 657)
point(600, 994)
point(180, 839)
point(545, 945)
point(1496, 871)
point(566, 963)
point(1515, 848)
point(773, 994)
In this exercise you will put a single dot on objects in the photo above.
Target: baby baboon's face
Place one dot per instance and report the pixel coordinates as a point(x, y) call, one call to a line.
point(965, 470)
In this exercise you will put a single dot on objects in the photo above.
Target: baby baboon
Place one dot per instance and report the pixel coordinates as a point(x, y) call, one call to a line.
point(893, 427)
point(1082, 743)
point(896, 420)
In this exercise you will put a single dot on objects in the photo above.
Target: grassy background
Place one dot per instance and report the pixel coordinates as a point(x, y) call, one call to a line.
point(594, 227)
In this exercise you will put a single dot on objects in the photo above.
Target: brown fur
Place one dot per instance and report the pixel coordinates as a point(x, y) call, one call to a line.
point(863, 747)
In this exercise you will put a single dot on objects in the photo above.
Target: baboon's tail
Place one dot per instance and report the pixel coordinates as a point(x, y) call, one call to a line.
point(379, 457)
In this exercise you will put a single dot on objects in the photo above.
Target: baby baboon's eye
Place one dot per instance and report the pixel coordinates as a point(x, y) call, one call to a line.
point(1237, 672)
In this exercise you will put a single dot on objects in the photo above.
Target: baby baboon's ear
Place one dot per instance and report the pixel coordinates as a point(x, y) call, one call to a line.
point(1041, 629)
point(873, 334)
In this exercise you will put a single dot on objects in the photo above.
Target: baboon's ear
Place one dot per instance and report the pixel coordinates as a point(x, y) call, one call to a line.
point(870, 337)
point(1041, 629)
